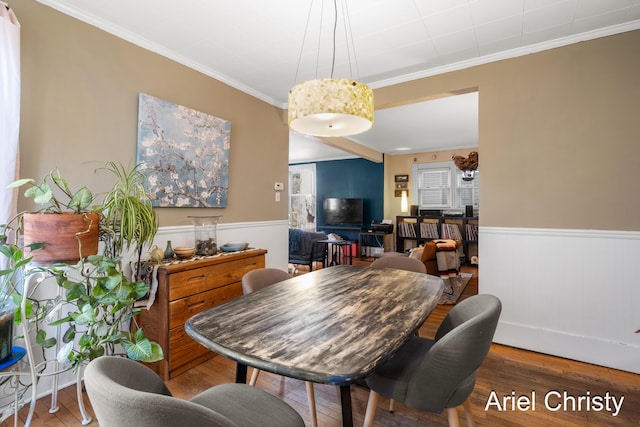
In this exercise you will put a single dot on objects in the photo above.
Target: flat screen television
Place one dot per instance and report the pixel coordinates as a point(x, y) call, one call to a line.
point(339, 211)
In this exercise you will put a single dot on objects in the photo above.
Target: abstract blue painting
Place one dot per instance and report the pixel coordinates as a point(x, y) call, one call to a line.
point(185, 154)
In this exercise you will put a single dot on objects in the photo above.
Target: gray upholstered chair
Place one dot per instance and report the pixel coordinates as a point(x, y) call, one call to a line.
point(127, 393)
point(258, 279)
point(432, 375)
point(400, 263)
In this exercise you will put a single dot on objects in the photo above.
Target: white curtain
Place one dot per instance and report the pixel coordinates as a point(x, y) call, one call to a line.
point(9, 110)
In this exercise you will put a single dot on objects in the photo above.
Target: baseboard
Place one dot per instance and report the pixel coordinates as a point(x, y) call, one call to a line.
point(587, 349)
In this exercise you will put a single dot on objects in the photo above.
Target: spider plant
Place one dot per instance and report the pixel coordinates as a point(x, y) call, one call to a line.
point(128, 218)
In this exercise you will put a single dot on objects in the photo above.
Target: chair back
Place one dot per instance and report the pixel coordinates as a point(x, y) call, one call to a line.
point(124, 392)
point(446, 375)
point(400, 263)
point(260, 278)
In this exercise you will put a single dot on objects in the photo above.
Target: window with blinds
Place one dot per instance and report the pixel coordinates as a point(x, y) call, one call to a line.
point(434, 187)
point(440, 186)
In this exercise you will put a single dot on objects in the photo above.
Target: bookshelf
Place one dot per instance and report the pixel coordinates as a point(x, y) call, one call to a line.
point(414, 231)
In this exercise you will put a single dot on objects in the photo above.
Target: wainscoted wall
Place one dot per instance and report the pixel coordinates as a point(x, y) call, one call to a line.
point(570, 293)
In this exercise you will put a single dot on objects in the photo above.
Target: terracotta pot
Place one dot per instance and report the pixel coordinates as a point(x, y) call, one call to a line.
point(64, 235)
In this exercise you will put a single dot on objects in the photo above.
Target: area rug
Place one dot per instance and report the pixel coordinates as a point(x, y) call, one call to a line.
point(453, 287)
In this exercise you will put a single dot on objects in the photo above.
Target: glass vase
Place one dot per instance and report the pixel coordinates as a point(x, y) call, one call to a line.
point(205, 234)
point(168, 252)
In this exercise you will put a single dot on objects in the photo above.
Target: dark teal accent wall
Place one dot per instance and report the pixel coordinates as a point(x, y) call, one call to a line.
point(351, 178)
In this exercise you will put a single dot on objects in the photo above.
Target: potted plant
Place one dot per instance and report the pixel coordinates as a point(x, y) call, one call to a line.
point(129, 219)
point(66, 222)
point(100, 296)
point(103, 297)
point(13, 275)
point(103, 306)
point(468, 165)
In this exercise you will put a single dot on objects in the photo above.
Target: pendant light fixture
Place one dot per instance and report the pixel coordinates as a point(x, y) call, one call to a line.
point(331, 107)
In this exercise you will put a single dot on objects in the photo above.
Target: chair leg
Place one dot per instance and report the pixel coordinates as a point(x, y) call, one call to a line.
point(468, 413)
point(312, 404)
point(254, 376)
point(371, 409)
point(391, 402)
point(452, 414)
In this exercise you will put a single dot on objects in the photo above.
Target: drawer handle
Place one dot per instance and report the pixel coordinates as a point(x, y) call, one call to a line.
point(198, 278)
point(195, 304)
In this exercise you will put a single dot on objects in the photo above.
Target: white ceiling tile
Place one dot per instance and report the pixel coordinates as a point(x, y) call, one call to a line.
point(430, 7)
point(498, 46)
point(550, 15)
point(605, 20)
point(392, 37)
point(452, 20)
point(499, 30)
point(456, 42)
point(588, 8)
point(632, 13)
point(546, 34)
point(485, 11)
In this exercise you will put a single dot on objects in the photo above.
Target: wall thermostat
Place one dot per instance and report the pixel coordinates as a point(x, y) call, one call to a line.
point(278, 186)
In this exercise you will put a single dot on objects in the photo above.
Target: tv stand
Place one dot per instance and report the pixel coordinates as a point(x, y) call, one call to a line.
point(341, 227)
point(347, 232)
point(373, 243)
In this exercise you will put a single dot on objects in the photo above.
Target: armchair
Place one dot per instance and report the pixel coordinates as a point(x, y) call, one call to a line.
point(305, 247)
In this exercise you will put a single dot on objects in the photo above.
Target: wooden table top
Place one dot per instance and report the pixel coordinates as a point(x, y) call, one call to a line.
point(332, 326)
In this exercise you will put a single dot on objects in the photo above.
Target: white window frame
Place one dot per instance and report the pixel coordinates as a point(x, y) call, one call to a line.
point(456, 186)
point(303, 196)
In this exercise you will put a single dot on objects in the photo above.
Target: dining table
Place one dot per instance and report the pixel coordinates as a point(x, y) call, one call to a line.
point(332, 326)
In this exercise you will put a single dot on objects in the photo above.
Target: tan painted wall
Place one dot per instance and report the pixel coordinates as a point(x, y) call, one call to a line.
point(80, 89)
point(559, 135)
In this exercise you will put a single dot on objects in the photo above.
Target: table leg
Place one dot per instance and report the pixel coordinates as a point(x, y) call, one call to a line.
point(241, 373)
point(345, 398)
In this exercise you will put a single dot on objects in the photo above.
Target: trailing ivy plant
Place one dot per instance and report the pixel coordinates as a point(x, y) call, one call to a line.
point(13, 276)
point(102, 302)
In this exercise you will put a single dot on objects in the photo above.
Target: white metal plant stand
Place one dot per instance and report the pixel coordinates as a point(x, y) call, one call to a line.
point(37, 369)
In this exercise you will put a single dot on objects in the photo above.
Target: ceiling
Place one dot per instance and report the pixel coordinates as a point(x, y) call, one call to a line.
point(256, 47)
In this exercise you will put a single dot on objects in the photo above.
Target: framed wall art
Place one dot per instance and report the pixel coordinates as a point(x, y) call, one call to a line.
point(185, 154)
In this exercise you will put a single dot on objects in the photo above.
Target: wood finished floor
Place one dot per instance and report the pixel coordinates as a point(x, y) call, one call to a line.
point(506, 369)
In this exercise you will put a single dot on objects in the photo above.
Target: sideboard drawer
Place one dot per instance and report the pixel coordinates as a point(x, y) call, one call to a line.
point(194, 281)
point(181, 310)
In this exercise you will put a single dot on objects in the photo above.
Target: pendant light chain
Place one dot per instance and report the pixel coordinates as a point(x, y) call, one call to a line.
point(304, 38)
point(348, 30)
point(335, 27)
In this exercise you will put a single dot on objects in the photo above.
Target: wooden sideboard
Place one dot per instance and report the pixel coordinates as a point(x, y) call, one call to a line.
point(187, 288)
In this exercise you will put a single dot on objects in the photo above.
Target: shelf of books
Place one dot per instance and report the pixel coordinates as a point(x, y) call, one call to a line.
point(412, 231)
